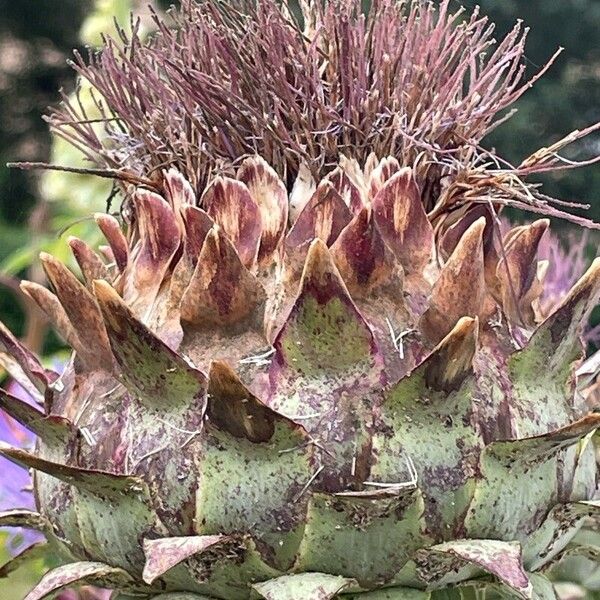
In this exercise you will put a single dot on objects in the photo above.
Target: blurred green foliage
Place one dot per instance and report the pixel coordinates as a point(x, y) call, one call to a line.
point(35, 38)
point(39, 210)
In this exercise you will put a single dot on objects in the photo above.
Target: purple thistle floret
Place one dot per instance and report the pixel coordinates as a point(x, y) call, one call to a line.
point(220, 81)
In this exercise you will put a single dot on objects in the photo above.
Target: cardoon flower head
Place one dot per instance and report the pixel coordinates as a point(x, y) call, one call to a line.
point(309, 365)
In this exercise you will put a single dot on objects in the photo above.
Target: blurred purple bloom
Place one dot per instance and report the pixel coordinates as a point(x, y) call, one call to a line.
point(15, 482)
point(566, 264)
point(15, 489)
point(567, 261)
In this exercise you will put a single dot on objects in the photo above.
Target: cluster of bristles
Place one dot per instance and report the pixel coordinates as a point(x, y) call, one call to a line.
point(300, 85)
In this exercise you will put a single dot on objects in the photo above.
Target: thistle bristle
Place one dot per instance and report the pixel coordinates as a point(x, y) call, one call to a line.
point(345, 389)
point(227, 80)
point(328, 359)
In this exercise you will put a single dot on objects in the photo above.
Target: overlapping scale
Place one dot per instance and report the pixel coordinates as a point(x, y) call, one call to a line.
point(257, 405)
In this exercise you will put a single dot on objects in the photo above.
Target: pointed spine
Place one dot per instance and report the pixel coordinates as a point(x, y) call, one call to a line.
point(380, 174)
point(83, 312)
point(531, 449)
point(451, 230)
point(178, 191)
point(370, 165)
point(344, 186)
point(81, 573)
point(23, 365)
point(302, 191)
point(323, 295)
point(452, 360)
point(98, 483)
point(222, 291)
point(111, 229)
point(324, 216)
point(147, 364)
point(305, 586)
point(233, 408)
point(269, 193)
point(107, 253)
point(360, 254)
point(503, 560)
point(91, 265)
point(159, 238)
point(55, 312)
point(230, 205)
point(460, 288)
point(196, 224)
point(402, 221)
point(560, 332)
point(24, 518)
point(113, 511)
point(52, 429)
point(165, 553)
point(517, 271)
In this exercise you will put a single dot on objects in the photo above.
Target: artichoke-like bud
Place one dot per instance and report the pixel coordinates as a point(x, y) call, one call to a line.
point(231, 424)
point(307, 365)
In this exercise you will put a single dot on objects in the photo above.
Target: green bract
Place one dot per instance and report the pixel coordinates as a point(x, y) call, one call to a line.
point(210, 457)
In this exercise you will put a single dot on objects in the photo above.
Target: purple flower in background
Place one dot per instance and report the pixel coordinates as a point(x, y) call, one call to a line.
point(566, 264)
point(15, 489)
point(567, 261)
point(15, 482)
